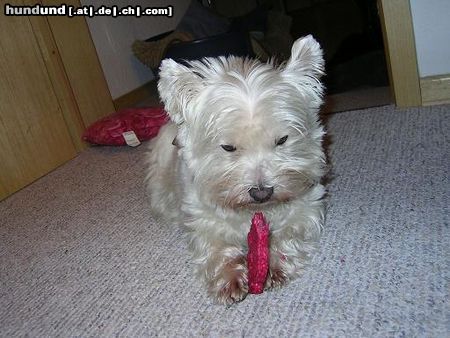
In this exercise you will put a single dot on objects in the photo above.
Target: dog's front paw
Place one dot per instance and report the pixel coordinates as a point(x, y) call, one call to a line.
point(230, 284)
point(233, 291)
point(277, 276)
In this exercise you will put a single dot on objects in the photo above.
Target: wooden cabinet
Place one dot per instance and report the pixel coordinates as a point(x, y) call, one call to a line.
point(49, 93)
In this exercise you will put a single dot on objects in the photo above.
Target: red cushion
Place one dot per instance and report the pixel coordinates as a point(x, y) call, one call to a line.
point(145, 122)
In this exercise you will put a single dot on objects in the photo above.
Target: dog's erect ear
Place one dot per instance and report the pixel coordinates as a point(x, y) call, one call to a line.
point(178, 86)
point(305, 67)
point(306, 58)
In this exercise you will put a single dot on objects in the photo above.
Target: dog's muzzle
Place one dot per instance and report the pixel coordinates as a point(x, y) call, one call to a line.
point(261, 194)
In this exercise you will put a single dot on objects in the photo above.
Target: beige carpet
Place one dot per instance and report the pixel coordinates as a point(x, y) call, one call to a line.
point(81, 255)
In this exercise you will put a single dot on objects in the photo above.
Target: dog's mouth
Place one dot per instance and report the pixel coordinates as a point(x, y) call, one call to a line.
point(256, 205)
point(246, 201)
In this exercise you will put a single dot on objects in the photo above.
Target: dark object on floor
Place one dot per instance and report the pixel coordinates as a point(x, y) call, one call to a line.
point(150, 52)
point(202, 22)
point(349, 32)
point(234, 43)
point(204, 33)
point(365, 70)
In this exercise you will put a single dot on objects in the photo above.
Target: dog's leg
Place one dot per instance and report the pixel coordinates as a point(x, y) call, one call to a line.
point(288, 258)
point(292, 246)
point(162, 178)
point(228, 283)
point(278, 271)
point(223, 267)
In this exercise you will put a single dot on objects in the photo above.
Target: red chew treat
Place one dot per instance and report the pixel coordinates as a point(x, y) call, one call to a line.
point(258, 253)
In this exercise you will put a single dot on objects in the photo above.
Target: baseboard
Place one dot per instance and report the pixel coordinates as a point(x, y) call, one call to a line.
point(146, 92)
point(435, 89)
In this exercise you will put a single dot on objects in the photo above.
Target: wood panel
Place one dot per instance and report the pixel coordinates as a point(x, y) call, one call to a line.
point(33, 135)
point(435, 89)
point(400, 50)
point(60, 81)
point(81, 65)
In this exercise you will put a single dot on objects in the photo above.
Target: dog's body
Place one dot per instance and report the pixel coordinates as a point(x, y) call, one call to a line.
point(243, 137)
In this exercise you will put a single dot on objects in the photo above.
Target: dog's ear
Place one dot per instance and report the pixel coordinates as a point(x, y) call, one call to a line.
point(178, 86)
point(306, 58)
point(306, 66)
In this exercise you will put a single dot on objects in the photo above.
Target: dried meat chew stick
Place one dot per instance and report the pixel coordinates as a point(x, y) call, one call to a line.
point(258, 253)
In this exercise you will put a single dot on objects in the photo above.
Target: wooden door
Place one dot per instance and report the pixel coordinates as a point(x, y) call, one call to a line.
point(81, 64)
point(34, 138)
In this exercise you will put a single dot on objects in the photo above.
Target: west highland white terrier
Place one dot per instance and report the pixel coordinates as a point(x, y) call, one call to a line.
point(244, 136)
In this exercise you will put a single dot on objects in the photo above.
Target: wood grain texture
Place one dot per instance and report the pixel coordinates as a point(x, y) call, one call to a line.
point(33, 135)
point(60, 81)
point(81, 64)
point(435, 89)
point(400, 50)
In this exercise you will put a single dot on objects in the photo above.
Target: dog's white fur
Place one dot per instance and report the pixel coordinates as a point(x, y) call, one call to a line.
point(251, 106)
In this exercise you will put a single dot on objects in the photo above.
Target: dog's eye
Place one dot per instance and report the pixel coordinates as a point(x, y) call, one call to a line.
point(282, 140)
point(228, 147)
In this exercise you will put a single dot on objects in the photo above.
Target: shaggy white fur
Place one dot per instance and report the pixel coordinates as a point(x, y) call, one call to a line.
point(244, 136)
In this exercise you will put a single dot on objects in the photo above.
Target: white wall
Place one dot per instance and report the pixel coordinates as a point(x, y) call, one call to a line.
point(113, 38)
point(431, 21)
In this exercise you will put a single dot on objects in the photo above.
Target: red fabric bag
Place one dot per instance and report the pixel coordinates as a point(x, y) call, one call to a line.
point(144, 122)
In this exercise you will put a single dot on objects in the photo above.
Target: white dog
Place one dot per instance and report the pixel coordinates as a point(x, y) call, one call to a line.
point(244, 136)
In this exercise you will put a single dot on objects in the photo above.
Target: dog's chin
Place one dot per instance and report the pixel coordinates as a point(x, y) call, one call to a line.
point(255, 206)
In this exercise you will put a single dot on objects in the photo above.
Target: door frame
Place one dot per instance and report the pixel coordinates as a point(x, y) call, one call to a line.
point(400, 50)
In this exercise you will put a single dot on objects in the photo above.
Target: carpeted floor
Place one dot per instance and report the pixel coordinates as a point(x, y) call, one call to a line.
point(80, 255)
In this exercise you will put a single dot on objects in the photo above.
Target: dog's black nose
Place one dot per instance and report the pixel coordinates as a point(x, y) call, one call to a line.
point(261, 194)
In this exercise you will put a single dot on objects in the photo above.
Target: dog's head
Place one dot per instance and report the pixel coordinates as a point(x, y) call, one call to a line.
point(248, 132)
